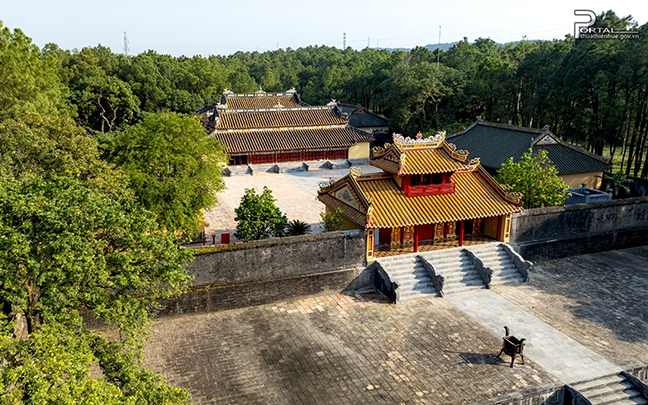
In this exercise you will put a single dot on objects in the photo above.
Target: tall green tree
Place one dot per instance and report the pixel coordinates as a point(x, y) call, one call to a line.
point(74, 241)
point(28, 78)
point(536, 178)
point(258, 217)
point(174, 168)
point(103, 101)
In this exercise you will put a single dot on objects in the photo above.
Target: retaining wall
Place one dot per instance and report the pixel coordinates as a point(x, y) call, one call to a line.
point(556, 232)
point(265, 271)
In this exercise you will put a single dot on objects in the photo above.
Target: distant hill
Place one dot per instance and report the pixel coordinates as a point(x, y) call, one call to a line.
point(448, 45)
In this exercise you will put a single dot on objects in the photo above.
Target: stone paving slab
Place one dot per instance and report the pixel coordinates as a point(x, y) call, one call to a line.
point(556, 353)
point(336, 349)
point(598, 300)
point(342, 349)
point(295, 194)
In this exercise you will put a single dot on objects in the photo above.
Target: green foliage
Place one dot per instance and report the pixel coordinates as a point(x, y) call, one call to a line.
point(258, 217)
point(536, 178)
point(297, 227)
point(590, 92)
point(74, 240)
point(174, 168)
point(54, 366)
point(617, 182)
point(332, 220)
point(29, 79)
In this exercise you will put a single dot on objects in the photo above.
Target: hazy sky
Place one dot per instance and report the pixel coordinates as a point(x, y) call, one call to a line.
point(207, 27)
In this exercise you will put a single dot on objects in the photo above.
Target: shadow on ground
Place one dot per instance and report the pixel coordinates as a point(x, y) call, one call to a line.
point(598, 300)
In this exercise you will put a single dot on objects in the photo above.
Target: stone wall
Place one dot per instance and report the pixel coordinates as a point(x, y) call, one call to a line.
point(253, 273)
point(555, 232)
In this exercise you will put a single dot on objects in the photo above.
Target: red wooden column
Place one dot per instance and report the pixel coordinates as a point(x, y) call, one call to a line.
point(461, 233)
point(416, 238)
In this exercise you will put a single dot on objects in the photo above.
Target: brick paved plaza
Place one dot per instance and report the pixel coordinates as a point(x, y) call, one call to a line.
point(339, 349)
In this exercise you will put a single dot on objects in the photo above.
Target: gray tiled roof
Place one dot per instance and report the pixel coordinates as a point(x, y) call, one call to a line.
point(495, 143)
point(360, 118)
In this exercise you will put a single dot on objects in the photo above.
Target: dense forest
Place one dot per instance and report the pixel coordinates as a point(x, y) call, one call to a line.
point(590, 92)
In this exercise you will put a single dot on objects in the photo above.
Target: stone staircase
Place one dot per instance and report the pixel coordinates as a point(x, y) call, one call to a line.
point(494, 256)
point(457, 269)
point(612, 389)
point(410, 275)
point(454, 265)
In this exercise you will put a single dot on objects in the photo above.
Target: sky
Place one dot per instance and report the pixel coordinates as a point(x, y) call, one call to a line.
point(209, 27)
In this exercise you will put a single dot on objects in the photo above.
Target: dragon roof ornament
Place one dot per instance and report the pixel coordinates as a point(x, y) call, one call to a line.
point(402, 140)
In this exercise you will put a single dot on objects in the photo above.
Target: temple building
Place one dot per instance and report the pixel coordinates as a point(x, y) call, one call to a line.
point(272, 128)
point(428, 192)
point(495, 143)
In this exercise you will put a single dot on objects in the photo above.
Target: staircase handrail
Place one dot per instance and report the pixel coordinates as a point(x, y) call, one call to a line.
point(522, 266)
point(385, 284)
point(485, 272)
point(636, 383)
point(438, 280)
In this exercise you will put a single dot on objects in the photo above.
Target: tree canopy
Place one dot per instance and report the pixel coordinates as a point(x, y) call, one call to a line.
point(173, 166)
point(536, 178)
point(74, 244)
point(257, 217)
point(590, 92)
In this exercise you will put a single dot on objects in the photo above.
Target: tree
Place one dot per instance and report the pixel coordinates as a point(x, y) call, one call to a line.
point(332, 220)
point(536, 178)
point(174, 168)
point(617, 182)
point(258, 217)
point(29, 78)
point(74, 240)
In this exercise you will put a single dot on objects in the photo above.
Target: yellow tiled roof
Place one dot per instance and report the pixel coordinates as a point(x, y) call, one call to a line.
point(290, 139)
point(477, 195)
point(474, 198)
point(419, 157)
point(278, 118)
point(261, 101)
point(352, 214)
point(420, 161)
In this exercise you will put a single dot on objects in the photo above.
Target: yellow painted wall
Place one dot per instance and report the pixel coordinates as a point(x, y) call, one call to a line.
point(359, 151)
point(575, 180)
point(346, 224)
point(490, 227)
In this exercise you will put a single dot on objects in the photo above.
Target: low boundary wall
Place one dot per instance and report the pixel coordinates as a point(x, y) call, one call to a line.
point(259, 272)
point(555, 232)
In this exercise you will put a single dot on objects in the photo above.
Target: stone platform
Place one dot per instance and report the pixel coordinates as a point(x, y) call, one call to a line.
point(339, 349)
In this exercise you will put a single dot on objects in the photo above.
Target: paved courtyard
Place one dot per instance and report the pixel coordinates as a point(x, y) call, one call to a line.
point(339, 349)
point(295, 194)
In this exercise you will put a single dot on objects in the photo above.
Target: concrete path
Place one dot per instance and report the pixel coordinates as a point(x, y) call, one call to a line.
point(556, 353)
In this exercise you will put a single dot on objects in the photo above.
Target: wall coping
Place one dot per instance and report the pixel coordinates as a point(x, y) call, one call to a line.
point(286, 240)
point(576, 207)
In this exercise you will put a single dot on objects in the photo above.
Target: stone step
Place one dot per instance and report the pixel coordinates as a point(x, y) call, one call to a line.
point(607, 390)
point(598, 382)
point(613, 389)
point(616, 397)
point(459, 275)
point(505, 280)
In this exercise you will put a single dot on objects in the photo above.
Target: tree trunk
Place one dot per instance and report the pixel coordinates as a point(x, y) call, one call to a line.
point(31, 313)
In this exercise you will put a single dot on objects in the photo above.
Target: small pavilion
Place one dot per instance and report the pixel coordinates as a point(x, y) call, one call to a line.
point(428, 193)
